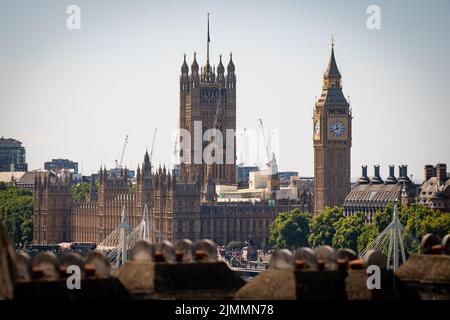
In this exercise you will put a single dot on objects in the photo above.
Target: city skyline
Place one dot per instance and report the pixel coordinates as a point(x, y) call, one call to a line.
point(76, 94)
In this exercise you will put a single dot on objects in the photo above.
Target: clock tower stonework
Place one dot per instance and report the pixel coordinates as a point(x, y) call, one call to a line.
point(332, 139)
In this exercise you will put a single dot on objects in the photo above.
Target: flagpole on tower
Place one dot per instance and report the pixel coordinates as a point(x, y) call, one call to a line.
point(207, 42)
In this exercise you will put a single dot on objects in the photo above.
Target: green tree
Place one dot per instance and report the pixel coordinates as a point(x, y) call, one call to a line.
point(369, 233)
point(81, 191)
point(290, 229)
point(348, 230)
point(381, 219)
point(421, 220)
point(322, 228)
point(16, 212)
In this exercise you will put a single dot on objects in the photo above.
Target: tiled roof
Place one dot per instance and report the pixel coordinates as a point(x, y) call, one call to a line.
point(433, 189)
point(29, 177)
point(373, 193)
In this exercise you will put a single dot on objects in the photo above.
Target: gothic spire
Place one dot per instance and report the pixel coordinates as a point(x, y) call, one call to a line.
point(194, 66)
point(230, 67)
point(332, 70)
point(184, 66)
point(220, 67)
point(146, 166)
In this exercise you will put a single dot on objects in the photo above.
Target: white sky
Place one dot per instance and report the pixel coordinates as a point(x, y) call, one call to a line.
point(76, 94)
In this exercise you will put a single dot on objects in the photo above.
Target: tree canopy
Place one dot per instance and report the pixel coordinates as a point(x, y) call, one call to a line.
point(290, 229)
point(348, 229)
point(16, 212)
point(81, 191)
point(332, 227)
point(420, 220)
point(322, 227)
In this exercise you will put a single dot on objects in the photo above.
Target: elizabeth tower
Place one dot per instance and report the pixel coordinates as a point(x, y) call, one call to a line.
point(332, 139)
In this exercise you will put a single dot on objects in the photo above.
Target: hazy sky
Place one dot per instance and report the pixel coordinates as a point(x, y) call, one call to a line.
point(77, 93)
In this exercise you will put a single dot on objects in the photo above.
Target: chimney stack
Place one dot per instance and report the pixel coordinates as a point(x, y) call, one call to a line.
point(429, 172)
point(376, 177)
point(441, 172)
point(391, 179)
point(403, 174)
point(364, 179)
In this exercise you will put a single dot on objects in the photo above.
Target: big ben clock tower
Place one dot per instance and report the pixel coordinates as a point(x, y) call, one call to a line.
point(332, 138)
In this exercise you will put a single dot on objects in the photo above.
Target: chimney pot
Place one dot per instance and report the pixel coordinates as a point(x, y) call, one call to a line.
point(377, 171)
point(364, 171)
point(391, 171)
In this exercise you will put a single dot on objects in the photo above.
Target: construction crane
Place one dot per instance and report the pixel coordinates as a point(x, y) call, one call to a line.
point(119, 164)
point(242, 147)
point(266, 144)
point(153, 144)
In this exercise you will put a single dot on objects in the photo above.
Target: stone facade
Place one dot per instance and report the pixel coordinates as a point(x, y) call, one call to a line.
point(208, 99)
point(374, 194)
point(435, 190)
point(177, 210)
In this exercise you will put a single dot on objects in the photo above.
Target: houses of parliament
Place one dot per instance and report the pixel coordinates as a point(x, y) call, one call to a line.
point(185, 205)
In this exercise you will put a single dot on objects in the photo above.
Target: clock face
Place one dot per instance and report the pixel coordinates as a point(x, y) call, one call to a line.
point(337, 128)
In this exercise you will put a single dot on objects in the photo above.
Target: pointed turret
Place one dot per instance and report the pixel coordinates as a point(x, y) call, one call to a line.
point(92, 190)
point(220, 67)
point(220, 72)
point(169, 179)
point(138, 174)
point(231, 77)
point(194, 66)
point(184, 67)
point(230, 67)
point(332, 89)
point(332, 70)
point(146, 165)
point(184, 78)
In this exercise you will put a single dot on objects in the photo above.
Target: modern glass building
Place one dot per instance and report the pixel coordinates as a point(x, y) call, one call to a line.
point(12, 153)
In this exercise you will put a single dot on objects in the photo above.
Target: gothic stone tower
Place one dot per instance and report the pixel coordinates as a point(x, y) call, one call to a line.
point(208, 97)
point(52, 206)
point(332, 134)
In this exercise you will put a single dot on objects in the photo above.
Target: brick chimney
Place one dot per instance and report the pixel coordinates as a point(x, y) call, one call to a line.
point(429, 172)
point(441, 172)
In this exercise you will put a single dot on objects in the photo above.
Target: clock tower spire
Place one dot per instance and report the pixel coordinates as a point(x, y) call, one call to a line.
point(332, 141)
